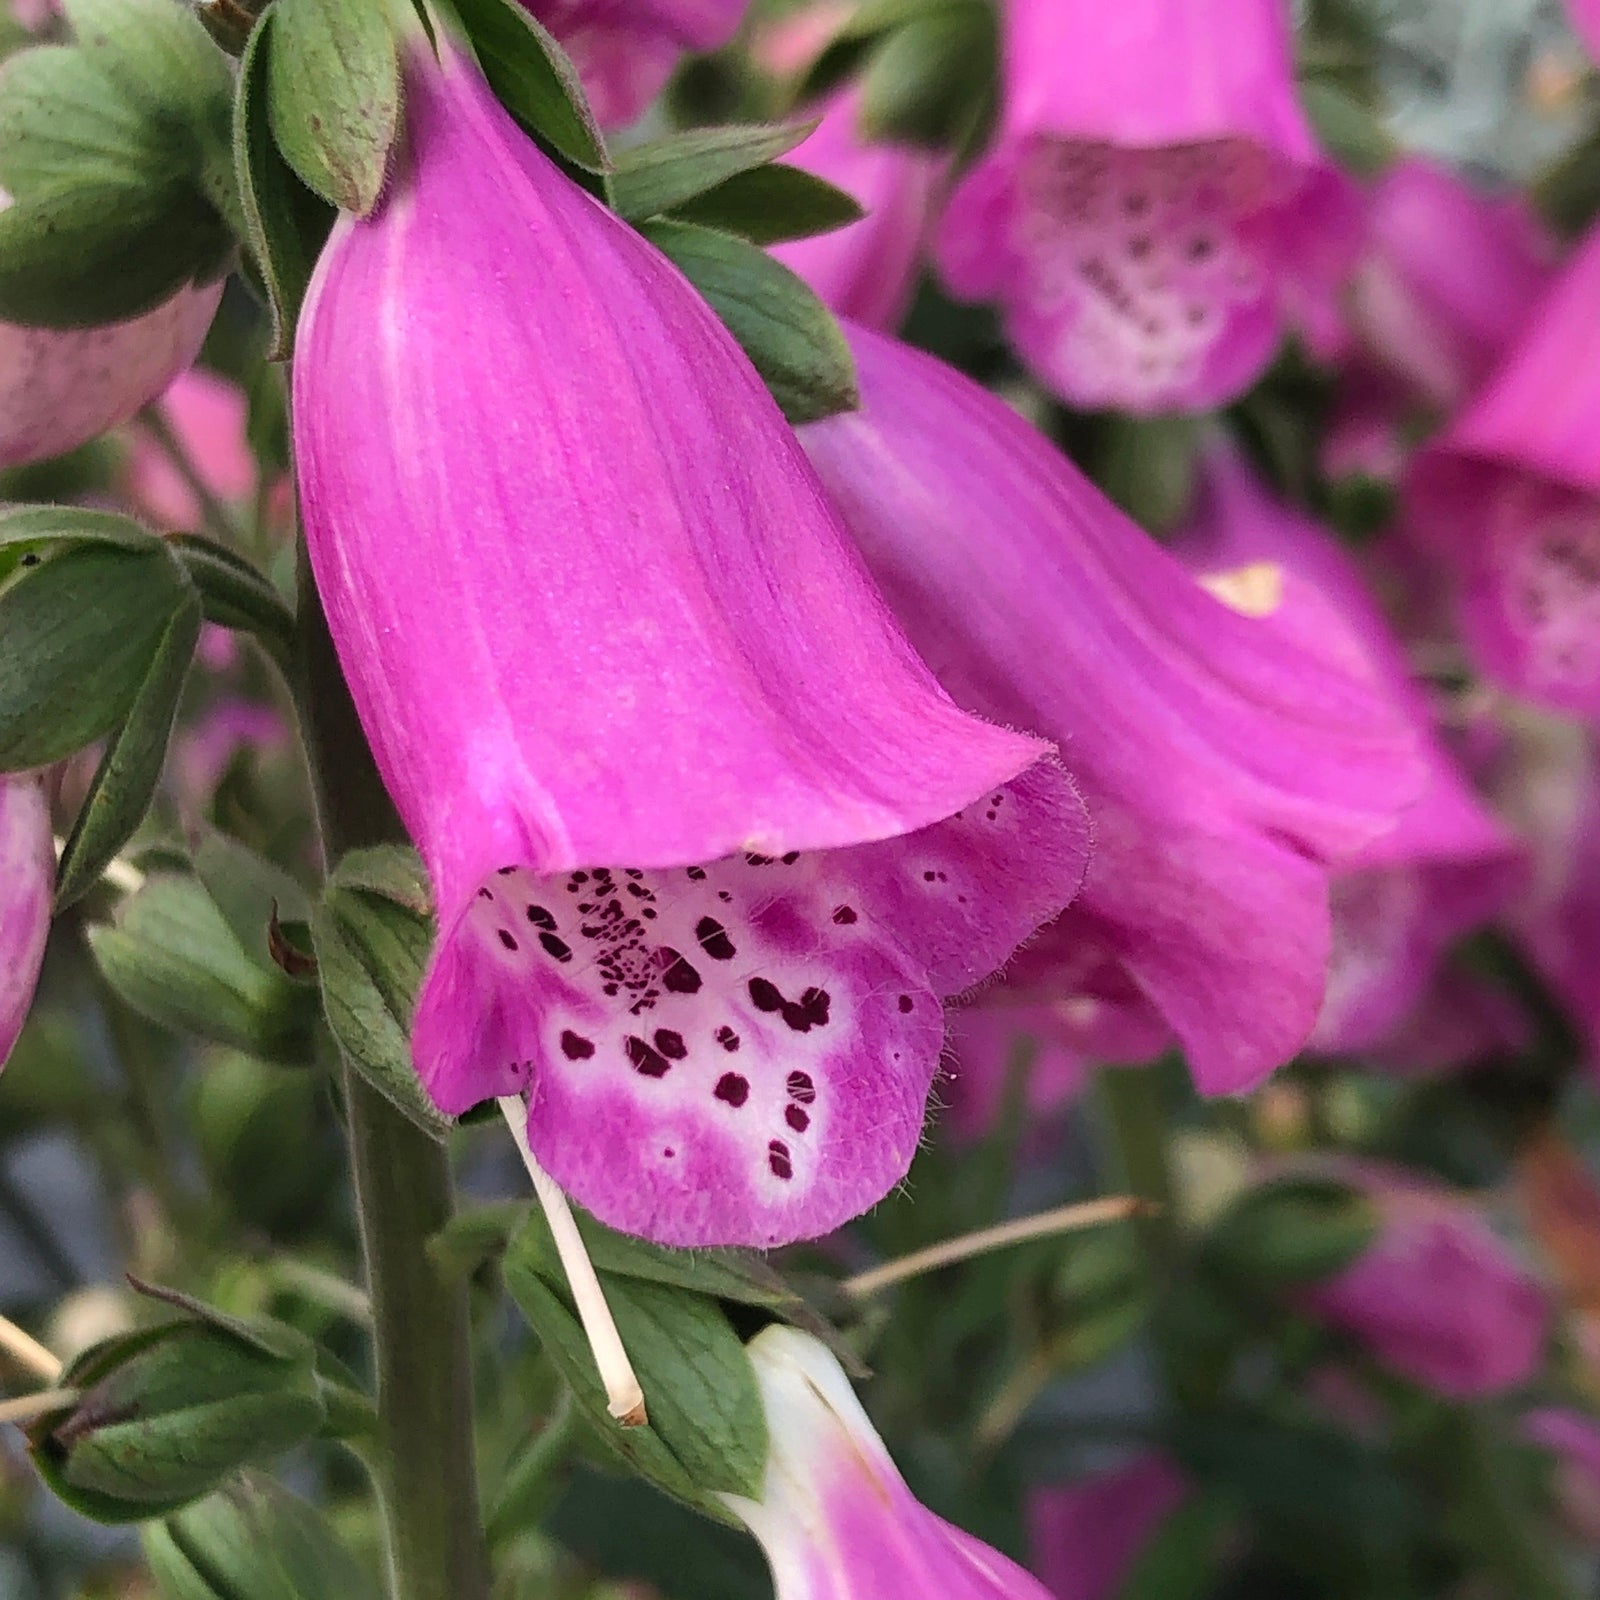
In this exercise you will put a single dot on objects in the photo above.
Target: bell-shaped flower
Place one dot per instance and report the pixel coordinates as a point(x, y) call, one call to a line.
point(207, 416)
point(708, 842)
point(1448, 278)
point(1507, 500)
point(867, 270)
point(1437, 1297)
point(27, 883)
point(1448, 865)
point(835, 1517)
point(1088, 1535)
point(1586, 19)
point(625, 50)
point(1154, 209)
point(60, 387)
point(1225, 767)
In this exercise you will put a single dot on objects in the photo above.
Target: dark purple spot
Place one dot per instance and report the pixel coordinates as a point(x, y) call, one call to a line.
point(811, 1011)
point(844, 915)
point(639, 892)
point(765, 995)
point(669, 1154)
point(778, 1159)
point(632, 872)
point(575, 1047)
point(505, 872)
point(486, 893)
point(724, 896)
point(671, 1044)
point(648, 914)
point(677, 976)
point(906, 1002)
point(651, 1063)
point(801, 1088)
point(506, 939)
point(695, 874)
point(541, 918)
point(580, 877)
point(731, 1089)
point(714, 939)
point(797, 1119)
point(757, 861)
point(557, 948)
point(790, 859)
point(727, 1038)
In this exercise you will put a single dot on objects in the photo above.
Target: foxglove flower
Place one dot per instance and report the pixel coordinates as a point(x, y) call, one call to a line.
point(208, 417)
point(1508, 500)
point(1448, 864)
point(27, 882)
point(708, 842)
point(625, 50)
point(835, 1518)
point(867, 269)
point(1154, 206)
point(1573, 1439)
point(60, 387)
point(1586, 19)
point(1088, 1536)
point(1437, 1297)
point(1225, 768)
point(1449, 275)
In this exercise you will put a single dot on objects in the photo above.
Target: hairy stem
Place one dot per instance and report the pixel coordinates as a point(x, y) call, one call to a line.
point(403, 1194)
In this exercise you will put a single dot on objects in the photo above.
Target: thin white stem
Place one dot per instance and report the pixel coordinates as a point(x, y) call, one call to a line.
point(122, 875)
point(624, 1397)
point(1064, 1219)
point(27, 1352)
point(28, 1406)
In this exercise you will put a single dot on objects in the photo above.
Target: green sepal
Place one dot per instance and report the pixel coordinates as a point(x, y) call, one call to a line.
point(664, 174)
point(533, 78)
point(286, 225)
point(236, 594)
point(252, 1540)
point(125, 781)
point(787, 332)
point(372, 943)
point(171, 955)
point(333, 96)
point(249, 891)
point(82, 620)
point(932, 81)
point(772, 205)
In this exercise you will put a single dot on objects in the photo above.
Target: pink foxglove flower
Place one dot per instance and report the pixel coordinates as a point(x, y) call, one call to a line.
point(708, 842)
point(1154, 207)
point(60, 387)
point(27, 882)
point(1573, 1439)
point(1508, 500)
point(625, 50)
point(1437, 1297)
point(835, 1517)
point(1586, 19)
point(1225, 769)
point(1448, 864)
point(207, 415)
point(1088, 1536)
point(868, 269)
point(1448, 278)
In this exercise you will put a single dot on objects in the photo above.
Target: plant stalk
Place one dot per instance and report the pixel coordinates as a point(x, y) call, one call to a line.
point(437, 1549)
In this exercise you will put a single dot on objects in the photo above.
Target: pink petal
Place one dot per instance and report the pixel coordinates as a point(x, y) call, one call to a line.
point(208, 416)
point(27, 884)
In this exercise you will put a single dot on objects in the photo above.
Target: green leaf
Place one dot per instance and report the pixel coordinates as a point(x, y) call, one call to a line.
point(533, 78)
point(371, 951)
point(783, 327)
point(707, 1430)
point(236, 594)
point(772, 205)
point(286, 223)
point(1292, 1231)
point(36, 531)
point(252, 1540)
point(391, 870)
point(80, 627)
point(1180, 1558)
point(1147, 466)
point(1351, 132)
point(333, 96)
point(125, 781)
point(170, 953)
point(247, 888)
point(932, 81)
point(666, 173)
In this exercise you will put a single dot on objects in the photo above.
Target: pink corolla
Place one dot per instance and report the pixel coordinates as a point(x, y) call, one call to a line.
point(1449, 275)
point(207, 415)
point(1586, 19)
point(625, 50)
point(708, 842)
point(1225, 768)
point(1448, 865)
point(27, 883)
point(1437, 1297)
point(867, 269)
point(1507, 501)
point(60, 387)
point(1154, 208)
point(1088, 1536)
point(835, 1517)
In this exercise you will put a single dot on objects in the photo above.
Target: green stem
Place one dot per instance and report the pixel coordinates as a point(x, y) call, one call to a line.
point(403, 1197)
point(535, 1476)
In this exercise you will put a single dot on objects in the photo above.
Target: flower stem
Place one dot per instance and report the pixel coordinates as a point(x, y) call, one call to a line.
point(403, 1191)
